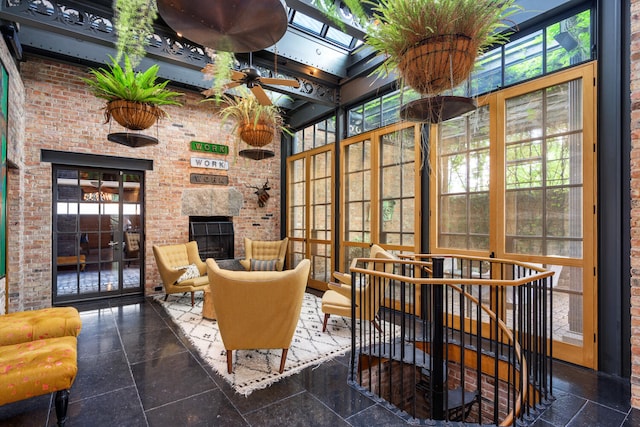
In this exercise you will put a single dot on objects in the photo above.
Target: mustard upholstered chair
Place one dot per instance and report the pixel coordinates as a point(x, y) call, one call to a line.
point(264, 250)
point(181, 268)
point(257, 309)
point(368, 296)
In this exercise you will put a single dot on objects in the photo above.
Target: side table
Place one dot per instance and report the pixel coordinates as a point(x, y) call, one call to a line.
point(208, 310)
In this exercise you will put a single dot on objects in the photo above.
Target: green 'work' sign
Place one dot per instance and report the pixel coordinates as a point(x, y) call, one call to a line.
point(208, 147)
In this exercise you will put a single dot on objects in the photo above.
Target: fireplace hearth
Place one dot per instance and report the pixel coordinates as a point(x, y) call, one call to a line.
point(214, 236)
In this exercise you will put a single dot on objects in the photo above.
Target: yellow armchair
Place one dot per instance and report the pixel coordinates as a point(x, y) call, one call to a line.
point(257, 309)
point(264, 250)
point(368, 296)
point(171, 260)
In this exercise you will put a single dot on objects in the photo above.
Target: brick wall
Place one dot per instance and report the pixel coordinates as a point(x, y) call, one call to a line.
point(60, 114)
point(635, 203)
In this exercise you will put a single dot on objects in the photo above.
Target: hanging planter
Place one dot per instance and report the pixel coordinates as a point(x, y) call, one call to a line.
point(434, 43)
point(133, 98)
point(256, 124)
point(438, 63)
point(256, 134)
point(132, 115)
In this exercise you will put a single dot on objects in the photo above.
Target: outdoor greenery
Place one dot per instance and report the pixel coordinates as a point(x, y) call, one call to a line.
point(133, 22)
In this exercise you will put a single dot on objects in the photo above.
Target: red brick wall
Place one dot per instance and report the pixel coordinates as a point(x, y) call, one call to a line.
point(60, 114)
point(635, 203)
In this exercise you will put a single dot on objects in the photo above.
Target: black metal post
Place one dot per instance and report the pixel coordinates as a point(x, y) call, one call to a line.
point(437, 376)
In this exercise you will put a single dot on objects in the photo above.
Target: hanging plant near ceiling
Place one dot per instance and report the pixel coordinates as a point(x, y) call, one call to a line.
point(132, 96)
point(257, 124)
point(434, 43)
point(133, 22)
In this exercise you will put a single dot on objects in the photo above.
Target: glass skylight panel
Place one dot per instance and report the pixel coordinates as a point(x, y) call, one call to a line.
point(307, 23)
point(339, 37)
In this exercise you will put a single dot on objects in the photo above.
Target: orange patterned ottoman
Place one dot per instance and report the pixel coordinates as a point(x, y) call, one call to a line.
point(39, 367)
point(33, 325)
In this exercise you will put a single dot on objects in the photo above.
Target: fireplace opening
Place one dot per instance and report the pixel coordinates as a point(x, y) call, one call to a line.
point(214, 235)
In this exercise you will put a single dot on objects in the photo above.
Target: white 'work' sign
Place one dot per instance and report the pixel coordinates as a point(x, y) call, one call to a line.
point(200, 162)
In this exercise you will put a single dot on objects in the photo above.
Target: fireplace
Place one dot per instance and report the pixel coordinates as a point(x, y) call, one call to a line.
point(214, 235)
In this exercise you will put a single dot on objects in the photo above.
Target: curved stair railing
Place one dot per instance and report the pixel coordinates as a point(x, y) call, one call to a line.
point(461, 338)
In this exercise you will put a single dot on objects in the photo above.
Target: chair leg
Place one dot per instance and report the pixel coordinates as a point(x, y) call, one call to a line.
point(193, 301)
point(283, 359)
point(62, 402)
point(230, 361)
point(166, 296)
point(324, 324)
point(375, 325)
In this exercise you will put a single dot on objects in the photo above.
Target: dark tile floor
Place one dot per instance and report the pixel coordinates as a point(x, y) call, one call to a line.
point(135, 369)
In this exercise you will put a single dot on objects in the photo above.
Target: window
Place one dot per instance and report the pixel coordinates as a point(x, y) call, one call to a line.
point(379, 183)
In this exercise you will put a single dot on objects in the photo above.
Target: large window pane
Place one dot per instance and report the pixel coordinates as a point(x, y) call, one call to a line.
point(464, 172)
point(544, 172)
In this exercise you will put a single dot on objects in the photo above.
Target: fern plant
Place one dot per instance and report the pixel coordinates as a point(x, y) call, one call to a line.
point(117, 82)
point(246, 109)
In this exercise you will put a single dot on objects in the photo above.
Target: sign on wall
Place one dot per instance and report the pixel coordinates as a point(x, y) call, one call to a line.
point(207, 147)
point(201, 178)
point(200, 162)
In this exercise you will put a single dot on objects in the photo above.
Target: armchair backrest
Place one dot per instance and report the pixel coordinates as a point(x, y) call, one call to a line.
point(168, 257)
point(265, 250)
point(257, 309)
point(132, 242)
point(370, 297)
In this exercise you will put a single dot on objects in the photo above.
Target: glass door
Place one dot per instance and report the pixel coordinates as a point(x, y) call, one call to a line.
point(310, 212)
point(517, 180)
point(97, 233)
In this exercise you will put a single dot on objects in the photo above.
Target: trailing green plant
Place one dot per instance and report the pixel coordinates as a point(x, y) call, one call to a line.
point(247, 109)
point(219, 71)
point(133, 22)
point(398, 25)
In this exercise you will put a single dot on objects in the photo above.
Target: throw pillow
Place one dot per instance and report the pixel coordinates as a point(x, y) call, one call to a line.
point(190, 272)
point(263, 265)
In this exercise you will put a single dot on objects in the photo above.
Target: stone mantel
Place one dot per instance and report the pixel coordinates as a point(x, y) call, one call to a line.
point(225, 201)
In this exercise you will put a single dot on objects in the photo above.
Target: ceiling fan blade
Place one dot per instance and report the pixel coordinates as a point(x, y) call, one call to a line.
point(211, 92)
point(280, 82)
point(230, 85)
point(237, 75)
point(261, 95)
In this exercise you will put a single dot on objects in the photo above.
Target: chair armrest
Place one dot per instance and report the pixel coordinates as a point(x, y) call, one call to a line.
point(342, 277)
point(344, 290)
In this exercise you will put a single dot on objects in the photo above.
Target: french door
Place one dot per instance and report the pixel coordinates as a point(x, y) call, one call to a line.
point(517, 180)
point(97, 233)
point(310, 212)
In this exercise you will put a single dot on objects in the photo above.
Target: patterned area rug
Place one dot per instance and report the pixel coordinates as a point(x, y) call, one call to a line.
point(257, 369)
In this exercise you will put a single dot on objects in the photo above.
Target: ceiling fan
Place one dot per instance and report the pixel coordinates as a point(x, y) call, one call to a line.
point(251, 77)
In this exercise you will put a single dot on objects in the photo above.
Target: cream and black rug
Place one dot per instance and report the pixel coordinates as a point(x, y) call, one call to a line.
point(257, 369)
